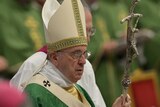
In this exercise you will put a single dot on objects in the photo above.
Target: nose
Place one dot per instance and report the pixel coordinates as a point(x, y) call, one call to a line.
point(82, 60)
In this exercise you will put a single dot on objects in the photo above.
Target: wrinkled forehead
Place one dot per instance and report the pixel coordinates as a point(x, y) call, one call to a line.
point(75, 48)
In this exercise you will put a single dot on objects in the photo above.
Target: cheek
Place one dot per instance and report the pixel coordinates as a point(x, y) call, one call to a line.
point(67, 67)
point(70, 66)
point(69, 70)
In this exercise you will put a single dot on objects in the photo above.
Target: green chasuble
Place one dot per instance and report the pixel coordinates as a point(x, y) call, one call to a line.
point(43, 94)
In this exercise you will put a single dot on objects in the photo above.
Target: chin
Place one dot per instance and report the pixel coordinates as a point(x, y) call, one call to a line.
point(77, 79)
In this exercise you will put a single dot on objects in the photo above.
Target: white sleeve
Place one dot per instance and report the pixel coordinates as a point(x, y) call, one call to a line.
point(88, 82)
point(28, 69)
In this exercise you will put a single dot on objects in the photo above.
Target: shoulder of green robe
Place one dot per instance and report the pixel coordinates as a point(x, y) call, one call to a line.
point(83, 91)
point(41, 89)
point(41, 97)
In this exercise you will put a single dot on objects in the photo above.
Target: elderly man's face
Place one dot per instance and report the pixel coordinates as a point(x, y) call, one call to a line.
point(71, 62)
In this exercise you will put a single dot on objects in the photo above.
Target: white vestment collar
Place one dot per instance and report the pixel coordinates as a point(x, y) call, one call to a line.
point(53, 74)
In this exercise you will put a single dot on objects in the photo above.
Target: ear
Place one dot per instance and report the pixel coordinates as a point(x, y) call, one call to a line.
point(53, 58)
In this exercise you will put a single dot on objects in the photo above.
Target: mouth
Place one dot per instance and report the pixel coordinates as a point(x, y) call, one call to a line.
point(79, 71)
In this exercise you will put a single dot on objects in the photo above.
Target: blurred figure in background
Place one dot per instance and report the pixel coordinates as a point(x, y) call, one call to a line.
point(21, 31)
point(107, 46)
point(11, 97)
point(151, 21)
point(3, 67)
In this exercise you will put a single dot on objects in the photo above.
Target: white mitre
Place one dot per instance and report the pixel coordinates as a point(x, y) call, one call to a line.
point(64, 25)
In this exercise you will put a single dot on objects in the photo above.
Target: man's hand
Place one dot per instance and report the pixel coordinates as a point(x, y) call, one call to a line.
point(122, 101)
point(109, 47)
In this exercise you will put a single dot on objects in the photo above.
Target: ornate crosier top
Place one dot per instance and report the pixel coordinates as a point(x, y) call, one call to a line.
point(131, 50)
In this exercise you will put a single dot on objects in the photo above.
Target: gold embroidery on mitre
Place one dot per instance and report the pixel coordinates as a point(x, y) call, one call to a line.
point(77, 18)
point(66, 43)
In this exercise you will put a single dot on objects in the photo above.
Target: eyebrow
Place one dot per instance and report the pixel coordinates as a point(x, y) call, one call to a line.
point(78, 51)
point(75, 50)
